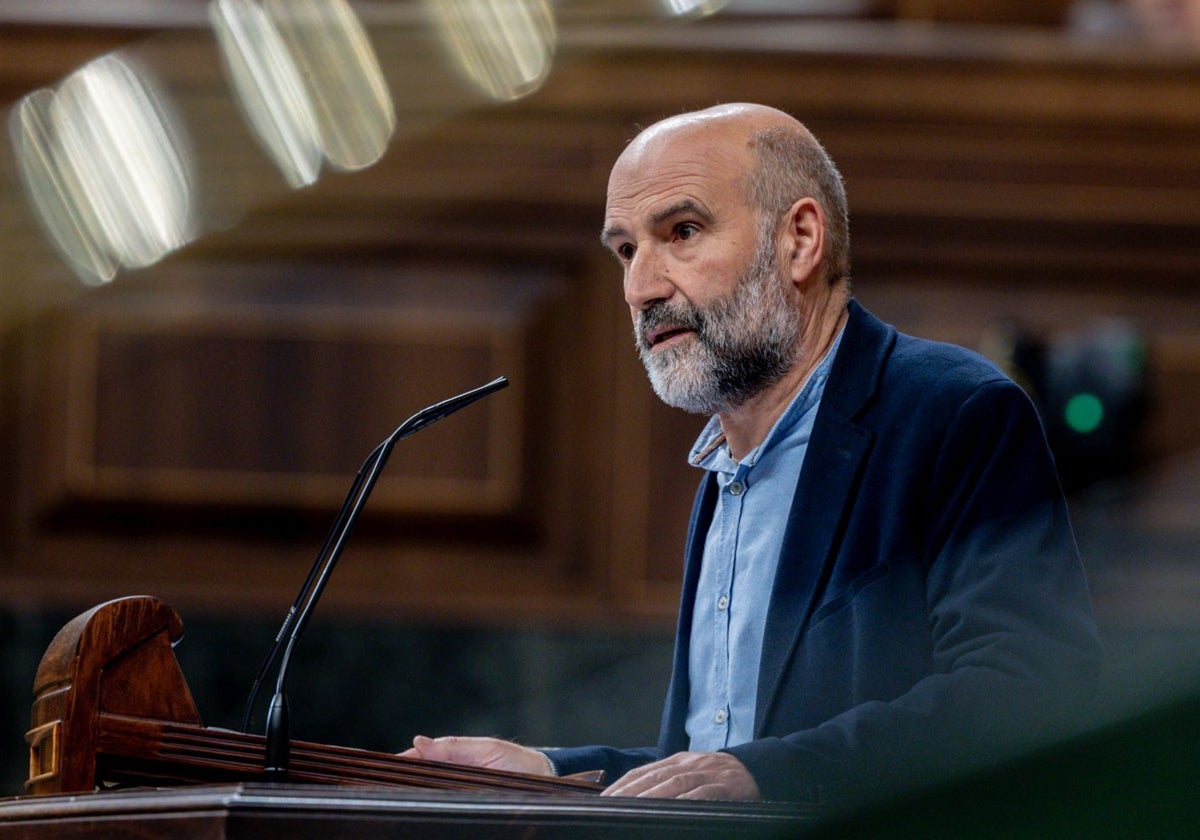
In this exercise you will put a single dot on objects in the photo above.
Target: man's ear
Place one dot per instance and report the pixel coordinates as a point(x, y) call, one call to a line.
point(804, 240)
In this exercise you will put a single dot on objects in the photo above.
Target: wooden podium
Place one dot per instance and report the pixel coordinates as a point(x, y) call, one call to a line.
point(112, 709)
point(252, 811)
point(118, 749)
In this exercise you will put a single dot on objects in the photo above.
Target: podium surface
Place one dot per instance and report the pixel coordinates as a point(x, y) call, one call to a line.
point(251, 811)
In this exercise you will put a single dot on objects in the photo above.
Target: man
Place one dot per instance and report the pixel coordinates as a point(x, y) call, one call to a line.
point(881, 585)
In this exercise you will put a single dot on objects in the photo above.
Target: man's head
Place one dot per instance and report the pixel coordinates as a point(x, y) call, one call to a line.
point(730, 225)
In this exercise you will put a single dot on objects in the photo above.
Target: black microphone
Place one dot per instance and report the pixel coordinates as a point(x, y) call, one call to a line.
point(278, 727)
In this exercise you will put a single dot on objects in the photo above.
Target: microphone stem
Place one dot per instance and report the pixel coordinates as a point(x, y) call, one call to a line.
point(277, 752)
point(278, 730)
point(294, 610)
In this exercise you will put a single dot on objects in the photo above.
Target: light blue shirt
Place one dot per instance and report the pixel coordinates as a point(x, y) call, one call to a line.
point(741, 553)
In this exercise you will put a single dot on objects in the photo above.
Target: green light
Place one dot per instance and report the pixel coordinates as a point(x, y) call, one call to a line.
point(1084, 413)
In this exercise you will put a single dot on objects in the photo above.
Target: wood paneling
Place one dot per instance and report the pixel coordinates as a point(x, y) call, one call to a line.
point(183, 431)
point(220, 402)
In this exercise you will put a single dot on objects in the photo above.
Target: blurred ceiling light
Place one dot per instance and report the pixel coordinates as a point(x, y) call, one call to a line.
point(505, 47)
point(692, 8)
point(54, 190)
point(354, 112)
point(268, 85)
point(131, 162)
point(308, 81)
point(106, 168)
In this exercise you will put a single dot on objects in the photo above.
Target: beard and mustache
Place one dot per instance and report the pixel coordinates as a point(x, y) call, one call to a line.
point(744, 342)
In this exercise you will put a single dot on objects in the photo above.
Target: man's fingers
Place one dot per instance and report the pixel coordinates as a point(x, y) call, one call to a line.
point(689, 776)
point(709, 792)
point(454, 749)
point(641, 781)
point(428, 748)
point(480, 752)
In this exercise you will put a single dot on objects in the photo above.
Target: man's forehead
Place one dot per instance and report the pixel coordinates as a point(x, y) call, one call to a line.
point(684, 138)
point(682, 168)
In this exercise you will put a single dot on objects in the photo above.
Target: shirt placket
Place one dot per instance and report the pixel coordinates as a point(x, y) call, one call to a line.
point(734, 494)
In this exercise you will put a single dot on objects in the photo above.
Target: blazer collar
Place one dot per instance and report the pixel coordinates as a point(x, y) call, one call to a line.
point(858, 367)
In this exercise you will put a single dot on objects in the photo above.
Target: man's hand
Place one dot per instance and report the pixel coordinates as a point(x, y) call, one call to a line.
point(690, 775)
point(480, 752)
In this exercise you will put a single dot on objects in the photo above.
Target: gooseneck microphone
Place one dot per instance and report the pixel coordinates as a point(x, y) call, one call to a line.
point(278, 726)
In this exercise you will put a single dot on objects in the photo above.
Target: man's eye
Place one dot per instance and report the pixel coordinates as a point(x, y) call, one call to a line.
point(625, 252)
point(686, 230)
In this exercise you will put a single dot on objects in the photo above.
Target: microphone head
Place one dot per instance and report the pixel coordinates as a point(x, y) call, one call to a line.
point(440, 411)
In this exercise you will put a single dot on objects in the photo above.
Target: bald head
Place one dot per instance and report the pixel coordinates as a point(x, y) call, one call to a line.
point(766, 153)
point(727, 123)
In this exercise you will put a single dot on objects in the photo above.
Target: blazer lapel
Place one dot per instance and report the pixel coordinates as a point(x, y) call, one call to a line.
point(673, 737)
point(824, 492)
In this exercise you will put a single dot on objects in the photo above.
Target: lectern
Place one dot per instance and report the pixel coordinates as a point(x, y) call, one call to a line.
point(117, 748)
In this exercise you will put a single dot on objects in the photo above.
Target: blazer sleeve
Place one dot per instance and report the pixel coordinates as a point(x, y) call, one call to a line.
point(1013, 640)
point(614, 762)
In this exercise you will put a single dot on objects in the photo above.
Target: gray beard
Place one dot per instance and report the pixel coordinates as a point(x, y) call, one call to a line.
point(744, 342)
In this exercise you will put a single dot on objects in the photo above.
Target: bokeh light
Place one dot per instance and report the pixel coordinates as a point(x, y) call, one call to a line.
point(1084, 413)
point(504, 47)
point(309, 83)
point(268, 86)
point(353, 108)
point(692, 8)
point(107, 168)
point(54, 190)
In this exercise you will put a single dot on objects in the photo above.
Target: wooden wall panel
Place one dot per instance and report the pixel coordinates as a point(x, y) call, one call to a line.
point(225, 405)
point(196, 436)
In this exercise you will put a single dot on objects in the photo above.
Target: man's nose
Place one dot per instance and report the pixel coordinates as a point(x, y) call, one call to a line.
point(646, 281)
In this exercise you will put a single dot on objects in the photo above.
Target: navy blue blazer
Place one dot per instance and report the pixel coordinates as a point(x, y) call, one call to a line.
point(929, 609)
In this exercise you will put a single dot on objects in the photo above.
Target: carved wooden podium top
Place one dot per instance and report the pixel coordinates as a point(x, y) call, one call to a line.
point(112, 708)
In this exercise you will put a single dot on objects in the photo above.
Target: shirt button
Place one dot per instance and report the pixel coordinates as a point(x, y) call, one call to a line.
point(737, 488)
point(723, 602)
point(720, 716)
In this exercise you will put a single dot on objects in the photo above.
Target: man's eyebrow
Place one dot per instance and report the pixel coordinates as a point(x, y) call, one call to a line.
point(680, 208)
point(609, 234)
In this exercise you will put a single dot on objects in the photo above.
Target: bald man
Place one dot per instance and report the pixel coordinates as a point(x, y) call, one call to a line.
point(881, 585)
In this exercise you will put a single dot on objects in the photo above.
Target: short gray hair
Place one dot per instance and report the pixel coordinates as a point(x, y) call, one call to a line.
point(791, 165)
